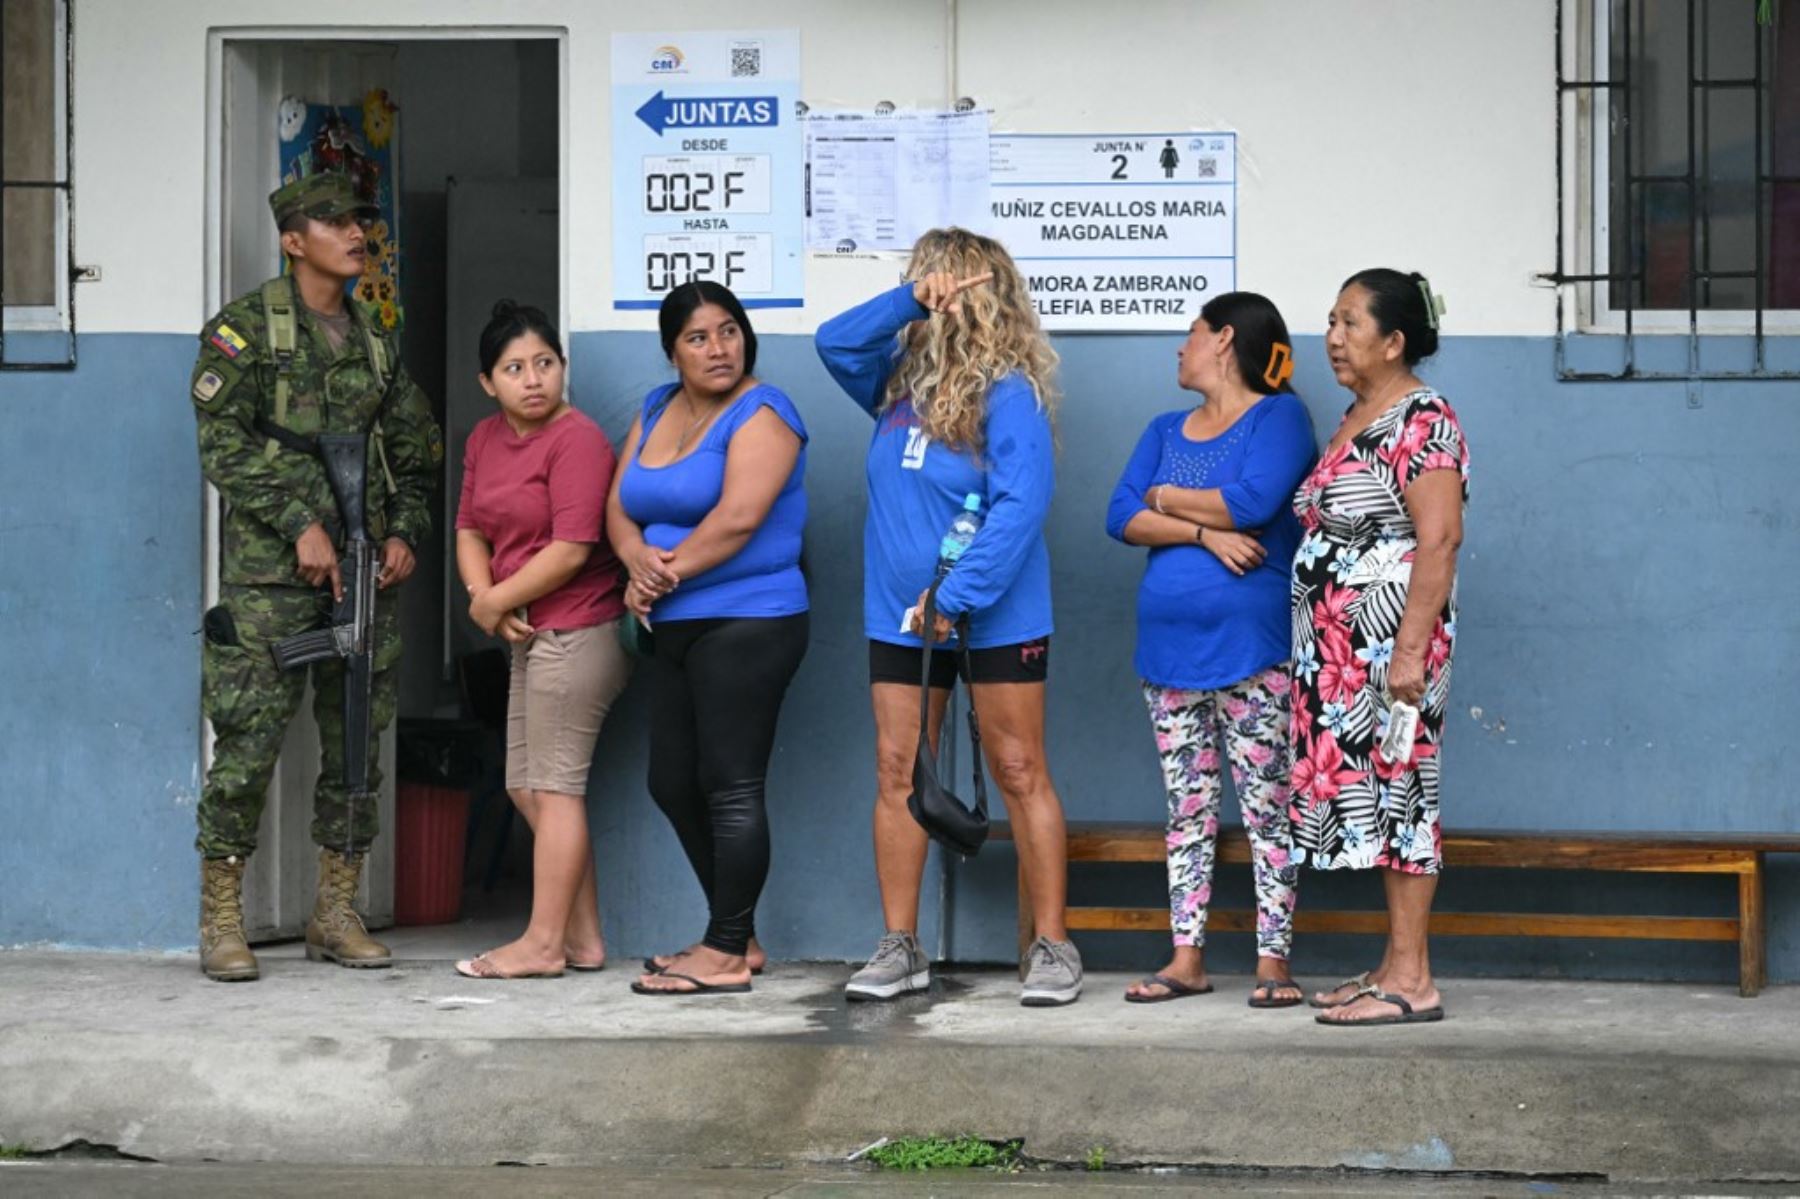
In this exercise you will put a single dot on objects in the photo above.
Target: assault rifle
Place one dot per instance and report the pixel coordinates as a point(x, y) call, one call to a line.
point(351, 633)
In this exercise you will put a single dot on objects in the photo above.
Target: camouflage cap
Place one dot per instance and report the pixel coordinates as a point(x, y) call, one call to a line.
point(321, 196)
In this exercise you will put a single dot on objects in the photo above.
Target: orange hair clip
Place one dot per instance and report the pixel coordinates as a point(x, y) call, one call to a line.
point(1281, 365)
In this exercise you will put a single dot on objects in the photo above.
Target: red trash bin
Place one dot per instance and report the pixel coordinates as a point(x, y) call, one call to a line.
point(430, 827)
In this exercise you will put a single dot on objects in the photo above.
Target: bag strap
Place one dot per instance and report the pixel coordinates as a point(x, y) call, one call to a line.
point(928, 622)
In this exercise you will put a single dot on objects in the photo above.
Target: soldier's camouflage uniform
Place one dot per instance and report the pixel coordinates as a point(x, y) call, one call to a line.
point(271, 496)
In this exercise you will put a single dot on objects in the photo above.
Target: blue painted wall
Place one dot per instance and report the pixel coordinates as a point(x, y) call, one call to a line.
point(1626, 657)
point(100, 600)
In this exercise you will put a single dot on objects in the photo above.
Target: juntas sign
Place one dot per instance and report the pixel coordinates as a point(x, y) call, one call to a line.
point(706, 165)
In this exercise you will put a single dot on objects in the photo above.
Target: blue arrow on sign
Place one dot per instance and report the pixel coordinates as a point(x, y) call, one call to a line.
point(708, 112)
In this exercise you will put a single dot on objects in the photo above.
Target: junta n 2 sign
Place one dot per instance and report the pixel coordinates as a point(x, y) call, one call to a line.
point(1128, 232)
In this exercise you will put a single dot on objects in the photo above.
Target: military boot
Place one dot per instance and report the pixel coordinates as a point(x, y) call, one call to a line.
point(336, 933)
point(224, 955)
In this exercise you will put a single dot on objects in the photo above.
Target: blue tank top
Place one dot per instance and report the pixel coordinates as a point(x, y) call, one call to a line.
point(667, 502)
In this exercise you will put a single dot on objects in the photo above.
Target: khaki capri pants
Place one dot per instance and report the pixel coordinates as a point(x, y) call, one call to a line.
point(564, 682)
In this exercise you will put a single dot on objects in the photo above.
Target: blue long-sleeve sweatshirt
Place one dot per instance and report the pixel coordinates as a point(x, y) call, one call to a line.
point(1200, 627)
point(917, 486)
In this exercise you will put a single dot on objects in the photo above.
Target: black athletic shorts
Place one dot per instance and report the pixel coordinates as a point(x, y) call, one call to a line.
point(1024, 662)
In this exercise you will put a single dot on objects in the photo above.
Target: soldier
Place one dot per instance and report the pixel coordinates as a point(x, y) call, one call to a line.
point(295, 358)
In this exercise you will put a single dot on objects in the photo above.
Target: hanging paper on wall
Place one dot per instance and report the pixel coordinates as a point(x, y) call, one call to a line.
point(360, 141)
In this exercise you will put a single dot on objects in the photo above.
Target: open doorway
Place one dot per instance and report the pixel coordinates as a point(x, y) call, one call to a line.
point(464, 132)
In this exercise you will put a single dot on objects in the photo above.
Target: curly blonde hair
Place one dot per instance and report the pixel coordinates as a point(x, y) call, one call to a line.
point(948, 362)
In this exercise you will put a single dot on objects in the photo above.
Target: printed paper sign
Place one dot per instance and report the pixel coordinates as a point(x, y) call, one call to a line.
point(1120, 232)
point(707, 167)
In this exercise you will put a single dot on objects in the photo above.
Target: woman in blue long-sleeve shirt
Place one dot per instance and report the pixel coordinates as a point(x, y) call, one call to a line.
point(960, 380)
point(1209, 491)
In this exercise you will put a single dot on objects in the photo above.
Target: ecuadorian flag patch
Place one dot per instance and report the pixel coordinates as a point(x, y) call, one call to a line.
point(229, 342)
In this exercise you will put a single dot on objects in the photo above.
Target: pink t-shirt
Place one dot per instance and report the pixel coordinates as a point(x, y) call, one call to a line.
point(522, 493)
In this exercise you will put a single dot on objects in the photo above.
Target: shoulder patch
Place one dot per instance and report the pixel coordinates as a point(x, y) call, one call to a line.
point(228, 341)
point(434, 441)
point(214, 377)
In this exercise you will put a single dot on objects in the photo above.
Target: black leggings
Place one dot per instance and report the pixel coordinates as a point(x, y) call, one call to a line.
point(716, 697)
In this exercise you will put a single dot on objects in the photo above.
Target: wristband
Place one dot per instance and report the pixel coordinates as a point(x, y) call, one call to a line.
point(1200, 535)
point(1159, 508)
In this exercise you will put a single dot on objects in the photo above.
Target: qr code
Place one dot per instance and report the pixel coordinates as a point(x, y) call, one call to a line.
point(746, 60)
point(1209, 167)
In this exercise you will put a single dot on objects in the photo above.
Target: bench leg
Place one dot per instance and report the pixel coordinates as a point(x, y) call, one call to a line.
point(1752, 960)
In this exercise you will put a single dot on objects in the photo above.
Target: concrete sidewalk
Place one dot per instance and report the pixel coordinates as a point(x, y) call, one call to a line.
point(416, 1066)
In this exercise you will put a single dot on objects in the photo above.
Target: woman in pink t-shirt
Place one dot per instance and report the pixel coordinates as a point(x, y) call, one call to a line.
point(531, 549)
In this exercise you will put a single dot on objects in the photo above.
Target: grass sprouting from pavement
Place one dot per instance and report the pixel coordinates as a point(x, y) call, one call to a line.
point(13, 1151)
point(944, 1153)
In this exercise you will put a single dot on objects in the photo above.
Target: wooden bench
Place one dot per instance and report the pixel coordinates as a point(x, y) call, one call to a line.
point(1653, 853)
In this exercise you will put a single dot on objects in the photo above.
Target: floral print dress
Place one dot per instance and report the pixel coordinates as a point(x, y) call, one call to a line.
point(1352, 808)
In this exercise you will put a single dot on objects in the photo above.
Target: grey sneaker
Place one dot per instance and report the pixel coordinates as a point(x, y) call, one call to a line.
point(1054, 974)
point(898, 968)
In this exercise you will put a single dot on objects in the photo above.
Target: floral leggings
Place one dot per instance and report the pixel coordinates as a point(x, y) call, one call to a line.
point(1251, 718)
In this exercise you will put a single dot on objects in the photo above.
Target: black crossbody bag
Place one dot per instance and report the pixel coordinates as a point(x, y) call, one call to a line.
point(939, 812)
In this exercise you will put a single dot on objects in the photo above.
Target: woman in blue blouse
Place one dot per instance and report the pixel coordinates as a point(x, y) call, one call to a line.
point(1208, 491)
point(960, 380)
point(706, 515)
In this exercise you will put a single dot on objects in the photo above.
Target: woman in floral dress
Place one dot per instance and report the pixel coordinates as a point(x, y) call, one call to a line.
point(1374, 612)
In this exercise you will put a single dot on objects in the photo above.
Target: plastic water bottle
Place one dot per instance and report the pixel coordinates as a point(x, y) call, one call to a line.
point(960, 534)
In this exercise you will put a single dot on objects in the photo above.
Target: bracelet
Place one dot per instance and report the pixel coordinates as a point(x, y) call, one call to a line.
point(1158, 502)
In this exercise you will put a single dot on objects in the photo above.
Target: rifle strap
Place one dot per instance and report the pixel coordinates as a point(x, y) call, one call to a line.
point(300, 443)
point(283, 324)
point(283, 327)
point(377, 347)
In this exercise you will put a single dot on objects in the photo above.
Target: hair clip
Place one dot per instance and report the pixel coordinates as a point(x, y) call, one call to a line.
point(1281, 365)
point(1434, 304)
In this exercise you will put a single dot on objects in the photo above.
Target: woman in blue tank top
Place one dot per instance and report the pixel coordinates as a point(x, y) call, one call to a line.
point(706, 514)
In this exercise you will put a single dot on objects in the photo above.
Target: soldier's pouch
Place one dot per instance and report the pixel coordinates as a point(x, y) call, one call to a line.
point(219, 627)
point(229, 682)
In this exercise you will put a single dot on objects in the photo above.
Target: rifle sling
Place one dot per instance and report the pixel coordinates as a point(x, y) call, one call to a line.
point(300, 443)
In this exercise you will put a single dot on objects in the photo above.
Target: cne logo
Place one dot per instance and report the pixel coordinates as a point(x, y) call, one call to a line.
point(667, 59)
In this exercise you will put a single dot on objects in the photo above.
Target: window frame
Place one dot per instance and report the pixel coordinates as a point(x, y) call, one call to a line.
point(1585, 171)
point(57, 318)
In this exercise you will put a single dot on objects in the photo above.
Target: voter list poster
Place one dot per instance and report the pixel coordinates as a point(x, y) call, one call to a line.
point(1118, 232)
point(707, 165)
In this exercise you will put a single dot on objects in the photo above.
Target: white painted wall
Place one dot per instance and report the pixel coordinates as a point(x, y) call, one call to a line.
point(1412, 133)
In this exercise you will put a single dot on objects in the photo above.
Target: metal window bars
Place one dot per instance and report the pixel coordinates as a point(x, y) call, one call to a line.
point(1597, 123)
point(63, 187)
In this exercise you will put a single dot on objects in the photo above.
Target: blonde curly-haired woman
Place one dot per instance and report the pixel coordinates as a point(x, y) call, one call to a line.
point(961, 382)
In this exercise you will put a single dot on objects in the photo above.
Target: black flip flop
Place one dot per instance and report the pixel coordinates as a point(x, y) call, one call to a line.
point(699, 988)
point(1175, 987)
point(1262, 995)
point(1406, 1015)
point(650, 967)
